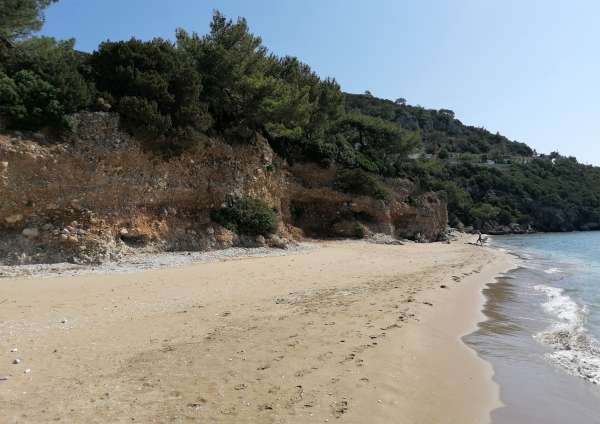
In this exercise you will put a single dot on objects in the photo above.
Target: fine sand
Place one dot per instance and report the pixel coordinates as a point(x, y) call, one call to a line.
point(347, 332)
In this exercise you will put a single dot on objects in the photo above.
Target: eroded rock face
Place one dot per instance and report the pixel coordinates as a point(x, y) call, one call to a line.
point(321, 211)
point(425, 221)
point(99, 196)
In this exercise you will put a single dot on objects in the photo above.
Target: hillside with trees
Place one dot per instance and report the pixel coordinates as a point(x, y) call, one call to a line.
point(442, 133)
point(490, 181)
point(175, 95)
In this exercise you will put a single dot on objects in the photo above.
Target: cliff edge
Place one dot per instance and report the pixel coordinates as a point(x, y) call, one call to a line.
point(98, 195)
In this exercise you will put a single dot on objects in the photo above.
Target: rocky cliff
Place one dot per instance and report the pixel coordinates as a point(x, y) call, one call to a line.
point(97, 196)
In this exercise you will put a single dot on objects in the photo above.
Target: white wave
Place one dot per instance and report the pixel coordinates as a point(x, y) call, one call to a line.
point(561, 306)
point(574, 348)
point(552, 270)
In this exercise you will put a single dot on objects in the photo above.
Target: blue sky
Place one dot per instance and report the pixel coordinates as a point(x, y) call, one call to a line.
point(526, 68)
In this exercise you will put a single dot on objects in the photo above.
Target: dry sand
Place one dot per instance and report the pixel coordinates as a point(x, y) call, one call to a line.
point(348, 332)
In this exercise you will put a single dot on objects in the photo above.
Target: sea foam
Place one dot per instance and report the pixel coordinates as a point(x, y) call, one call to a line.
point(574, 348)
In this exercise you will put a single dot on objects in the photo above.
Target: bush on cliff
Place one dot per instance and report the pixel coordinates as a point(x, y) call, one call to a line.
point(248, 216)
point(381, 142)
point(156, 90)
point(41, 81)
point(359, 182)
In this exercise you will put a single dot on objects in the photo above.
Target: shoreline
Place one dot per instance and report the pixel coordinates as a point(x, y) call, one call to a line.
point(349, 330)
point(522, 311)
point(476, 402)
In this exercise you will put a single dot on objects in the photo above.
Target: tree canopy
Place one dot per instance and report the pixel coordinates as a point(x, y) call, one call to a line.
point(19, 18)
point(155, 88)
point(42, 82)
point(226, 84)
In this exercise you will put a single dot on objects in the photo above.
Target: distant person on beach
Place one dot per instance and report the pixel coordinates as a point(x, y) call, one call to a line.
point(480, 239)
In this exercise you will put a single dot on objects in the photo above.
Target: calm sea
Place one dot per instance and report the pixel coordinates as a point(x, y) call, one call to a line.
point(542, 334)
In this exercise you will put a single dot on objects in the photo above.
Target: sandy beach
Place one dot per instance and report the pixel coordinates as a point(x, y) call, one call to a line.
point(347, 332)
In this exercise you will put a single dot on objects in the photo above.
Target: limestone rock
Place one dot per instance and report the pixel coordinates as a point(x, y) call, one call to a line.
point(13, 219)
point(69, 239)
point(277, 242)
point(260, 241)
point(225, 238)
point(31, 232)
point(350, 228)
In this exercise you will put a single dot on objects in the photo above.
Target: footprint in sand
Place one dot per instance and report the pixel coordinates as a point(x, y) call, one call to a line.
point(392, 326)
point(348, 357)
point(325, 356)
point(198, 404)
point(302, 372)
point(293, 344)
point(340, 408)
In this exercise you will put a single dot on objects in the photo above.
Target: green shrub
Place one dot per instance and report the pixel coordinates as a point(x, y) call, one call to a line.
point(41, 83)
point(142, 117)
point(156, 89)
point(29, 101)
point(247, 216)
point(357, 181)
point(484, 212)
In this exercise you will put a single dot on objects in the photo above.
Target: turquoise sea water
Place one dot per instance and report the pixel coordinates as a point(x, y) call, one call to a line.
point(571, 285)
point(542, 335)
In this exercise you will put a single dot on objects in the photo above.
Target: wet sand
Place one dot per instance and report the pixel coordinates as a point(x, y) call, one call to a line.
point(532, 389)
point(348, 332)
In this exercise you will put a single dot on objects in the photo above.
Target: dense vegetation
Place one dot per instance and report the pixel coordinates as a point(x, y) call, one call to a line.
point(359, 182)
point(247, 216)
point(441, 131)
point(550, 196)
point(20, 18)
point(174, 95)
point(550, 193)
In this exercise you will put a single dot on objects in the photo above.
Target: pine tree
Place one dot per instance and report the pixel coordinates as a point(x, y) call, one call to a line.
point(19, 18)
